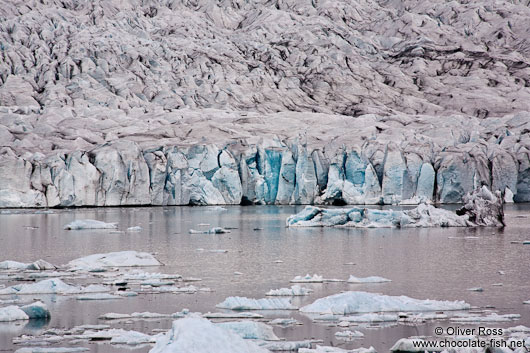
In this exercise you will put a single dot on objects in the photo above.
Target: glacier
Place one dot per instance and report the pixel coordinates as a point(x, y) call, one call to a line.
point(482, 208)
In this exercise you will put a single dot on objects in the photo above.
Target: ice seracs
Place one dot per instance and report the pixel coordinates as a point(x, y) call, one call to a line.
point(188, 335)
point(89, 224)
point(364, 302)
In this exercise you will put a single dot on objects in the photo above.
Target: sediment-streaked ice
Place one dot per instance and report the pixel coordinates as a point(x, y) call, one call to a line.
point(243, 303)
point(80, 224)
point(364, 302)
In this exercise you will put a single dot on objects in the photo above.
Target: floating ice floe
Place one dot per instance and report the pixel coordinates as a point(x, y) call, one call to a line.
point(134, 229)
point(285, 322)
point(327, 349)
point(308, 279)
point(188, 335)
point(243, 303)
point(493, 317)
point(476, 289)
point(250, 330)
point(114, 259)
point(285, 346)
point(371, 318)
point(526, 302)
point(39, 265)
point(370, 279)
point(36, 310)
point(98, 296)
point(295, 290)
point(482, 208)
point(349, 335)
point(142, 315)
point(51, 286)
point(52, 350)
point(214, 230)
point(244, 315)
point(363, 302)
point(89, 224)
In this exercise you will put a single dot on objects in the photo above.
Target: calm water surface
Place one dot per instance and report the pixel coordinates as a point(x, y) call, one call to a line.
point(422, 263)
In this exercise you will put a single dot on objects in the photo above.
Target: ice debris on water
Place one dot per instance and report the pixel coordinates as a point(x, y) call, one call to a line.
point(243, 303)
point(51, 286)
point(39, 265)
point(364, 302)
point(134, 229)
point(80, 224)
point(214, 230)
point(370, 279)
point(98, 296)
point(188, 335)
point(493, 317)
point(295, 290)
point(482, 208)
point(250, 330)
point(349, 335)
point(52, 350)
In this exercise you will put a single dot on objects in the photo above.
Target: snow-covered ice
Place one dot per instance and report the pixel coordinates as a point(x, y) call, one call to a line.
point(370, 279)
point(250, 330)
point(295, 290)
point(243, 303)
point(188, 335)
point(89, 224)
point(363, 302)
point(114, 259)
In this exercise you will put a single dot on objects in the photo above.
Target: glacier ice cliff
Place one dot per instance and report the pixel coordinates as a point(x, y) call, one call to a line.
point(169, 102)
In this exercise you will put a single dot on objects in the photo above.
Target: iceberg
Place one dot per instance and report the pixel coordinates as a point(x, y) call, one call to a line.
point(364, 302)
point(51, 350)
point(412, 345)
point(89, 224)
point(370, 279)
point(98, 296)
point(295, 290)
point(308, 279)
point(36, 310)
point(244, 315)
point(250, 330)
point(285, 322)
point(482, 208)
point(188, 335)
point(114, 259)
point(215, 230)
point(243, 303)
point(348, 335)
point(51, 286)
point(39, 265)
point(285, 346)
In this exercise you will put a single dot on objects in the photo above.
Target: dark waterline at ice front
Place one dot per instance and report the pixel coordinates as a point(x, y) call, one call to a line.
point(434, 263)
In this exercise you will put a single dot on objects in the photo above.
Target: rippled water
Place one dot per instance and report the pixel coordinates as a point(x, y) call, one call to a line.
point(422, 263)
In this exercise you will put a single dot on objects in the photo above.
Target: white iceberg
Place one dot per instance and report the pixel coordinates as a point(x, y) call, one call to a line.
point(349, 335)
point(308, 279)
point(36, 310)
point(214, 230)
point(482, 208)
point(295, 290)
point(243, 303)
point(98, 296)
point(39, 265)
point(370, 279)
point(285, 346)
point(412, 345)
point(363, 302)
point(89, 224)
point(250, 330)
point(51, 286)
point(244, 315)
point(134, 229)
point(114, 259)
point(198, 335)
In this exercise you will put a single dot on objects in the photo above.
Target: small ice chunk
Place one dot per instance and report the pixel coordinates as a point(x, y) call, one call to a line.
point(295, 290)
point(285, 322)
point(134, 229)
point(363, 302)
point(243, 303)
point(370, 279)
point(12, 313)
point(476, 289)
point(244, 315)
point(501, 273)
point(250, 330)
point(114, 259)
point(497, 284)
point(188, 335)
point(237, 273)
point(526, 302)
point(52, 350)
point(126, 293)
point(214, 230)
point(97, 296)
point(349, 335)
point(308, 279)
point(278, 261)
point(89, 224)
point(37, 310)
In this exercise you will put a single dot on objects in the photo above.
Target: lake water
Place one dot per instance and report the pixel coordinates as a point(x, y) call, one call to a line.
point(422, 263)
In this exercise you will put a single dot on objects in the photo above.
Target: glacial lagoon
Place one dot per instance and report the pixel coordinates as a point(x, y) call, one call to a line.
point(262, 254)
